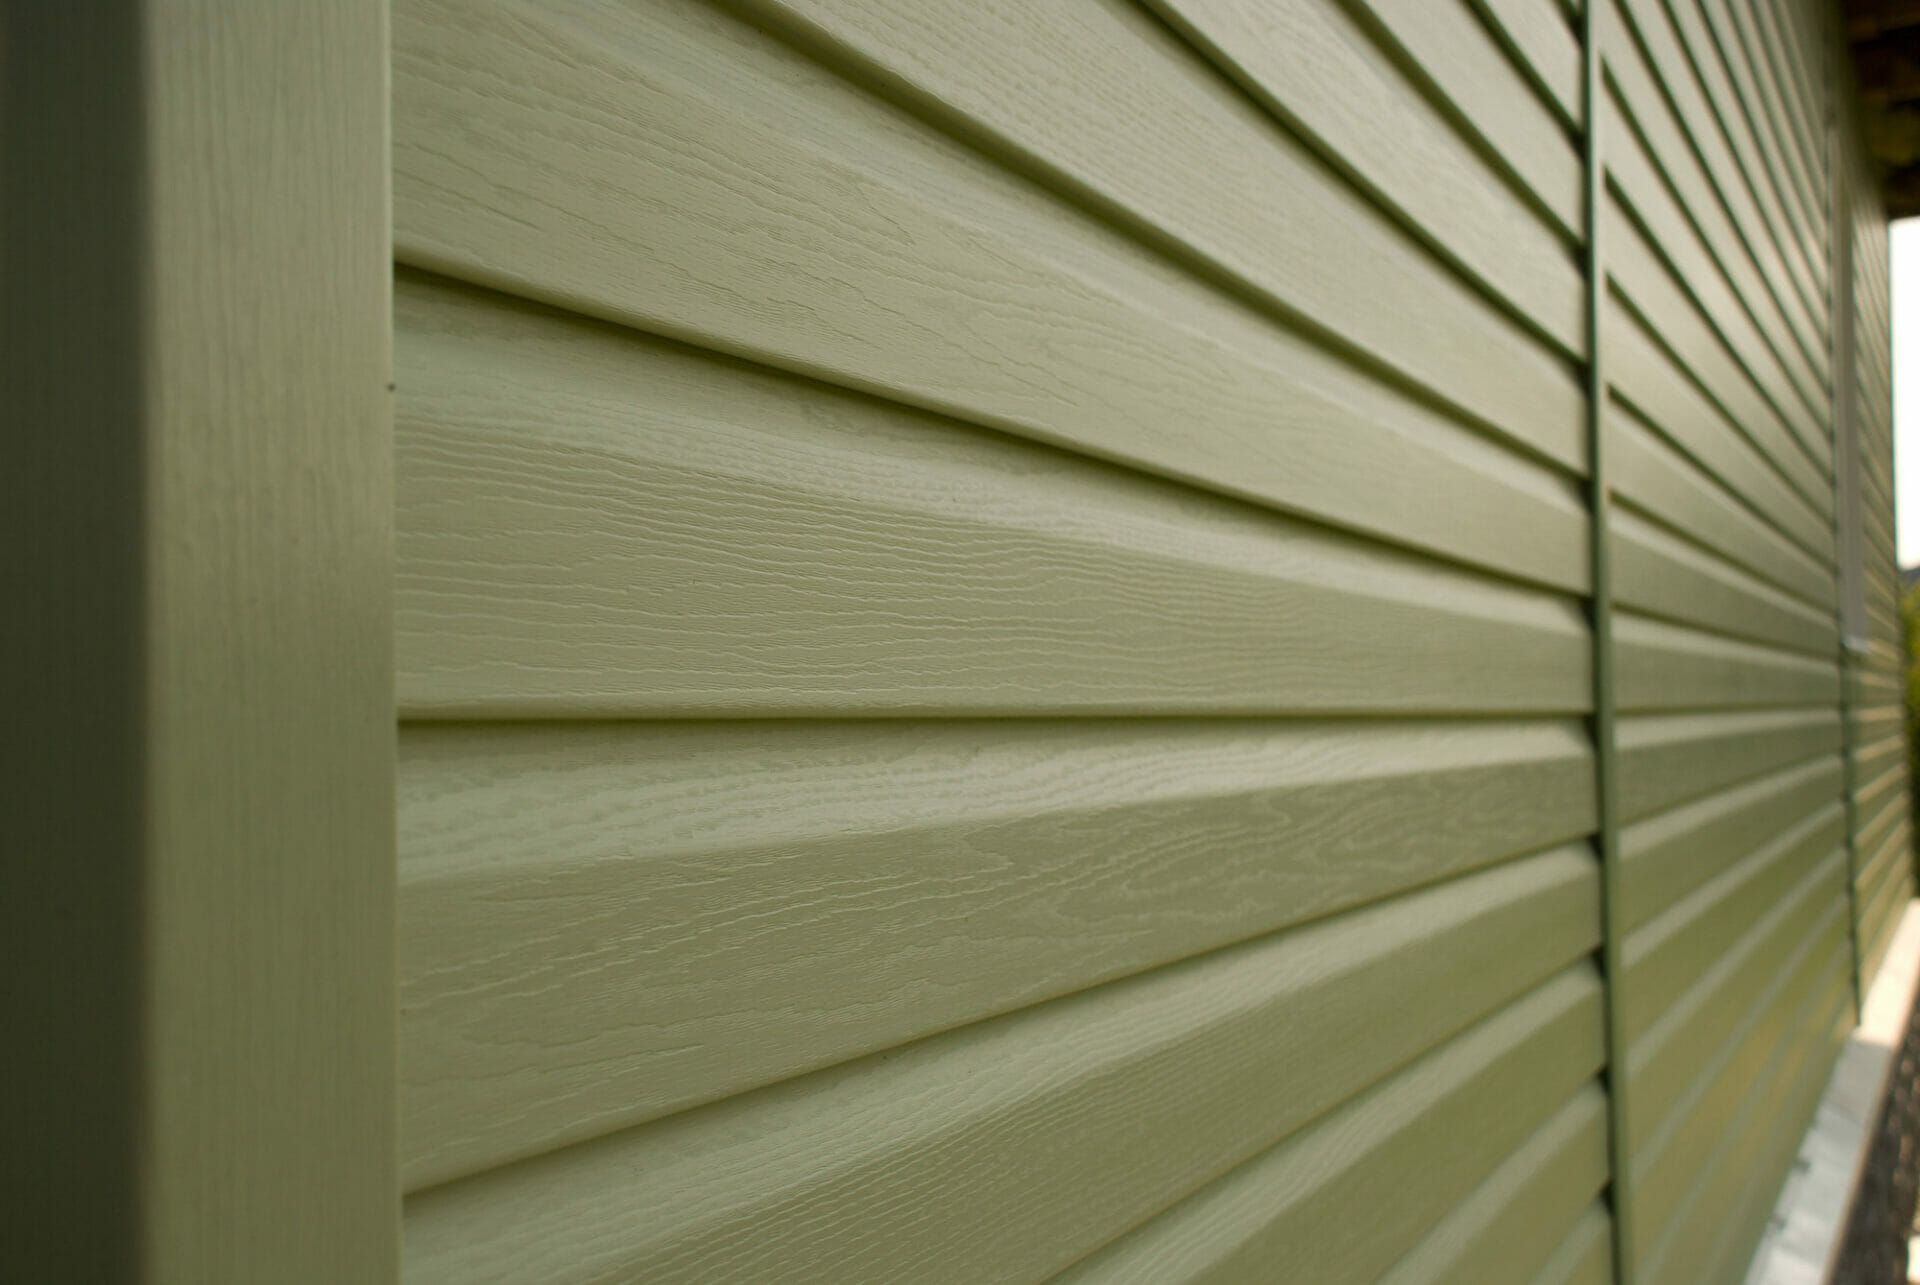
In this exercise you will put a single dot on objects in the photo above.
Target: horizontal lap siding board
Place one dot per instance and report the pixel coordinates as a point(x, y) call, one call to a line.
point(1546, 47)
point(1697, 27)
point(1652, 163)
point(1779, 143)
point(1459, 1113)
point(1308, 62)
point(1646, 378)
point(1736, 947)
point(1665, 666)
point(607, 524)
point(1883, 838)
point(1674, 1062)
point(1769, 1093)
point(1650, 62)
point(911, 267)
point(1660, 573)
point(1585, 1257)
point(1517, 1217)
point(1659, 483)
point(1719, 277)
point(1782, 431)
point(1018, 1142)
point(651, 489)
point(784, 897)
point(1736, 983)
point(1451, 51)
point(990, 619)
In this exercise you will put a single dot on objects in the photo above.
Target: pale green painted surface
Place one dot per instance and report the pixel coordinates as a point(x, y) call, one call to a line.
point(197, 869)
point(993, 637)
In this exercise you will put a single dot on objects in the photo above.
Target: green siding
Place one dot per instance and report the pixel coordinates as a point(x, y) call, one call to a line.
point(993, 628)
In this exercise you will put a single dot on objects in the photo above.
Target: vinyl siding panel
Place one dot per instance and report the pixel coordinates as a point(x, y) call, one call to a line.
point(1467, 77)
point(994, 649)
point(959, 273)
point(1513, 1223)
point(1883, 839)
point(788, 896)
point(1455, 1114)
point(1585, 1257)
point(1739, 977)
point(1653, 56)
point(1543, 45)
point(568, 477)
point(1883, 842)
point(1014, 1142)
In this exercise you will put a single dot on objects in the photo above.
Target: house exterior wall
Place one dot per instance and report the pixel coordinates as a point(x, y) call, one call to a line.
point(196, 751)
point(1878, 746)
point(997, 635)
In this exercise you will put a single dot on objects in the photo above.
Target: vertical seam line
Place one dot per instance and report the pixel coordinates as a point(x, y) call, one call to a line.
point(1601, 597)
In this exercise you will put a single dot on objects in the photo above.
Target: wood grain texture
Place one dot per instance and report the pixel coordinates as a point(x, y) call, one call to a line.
point(1016, 1142)
point(753, 901)
point(912, 419)
point(199, 818)
point(595, 525)
point(1408, 1150)
point(906, 264)
point(1097, 99)
point(270, 882)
